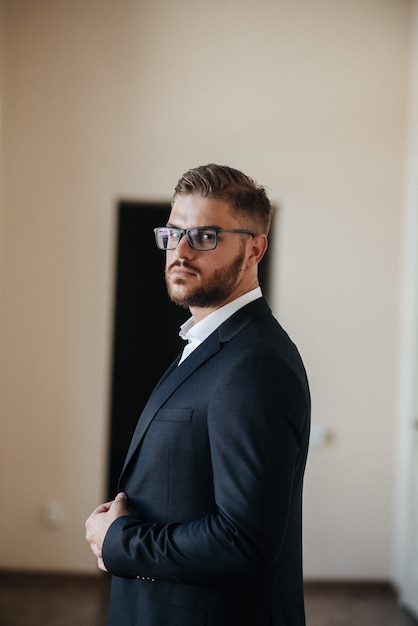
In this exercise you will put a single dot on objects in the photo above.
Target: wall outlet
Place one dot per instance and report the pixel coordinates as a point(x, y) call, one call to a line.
point(52, 514)
point(319, 436)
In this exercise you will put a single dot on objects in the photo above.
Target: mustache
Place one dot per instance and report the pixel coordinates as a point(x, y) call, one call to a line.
point(184, 264)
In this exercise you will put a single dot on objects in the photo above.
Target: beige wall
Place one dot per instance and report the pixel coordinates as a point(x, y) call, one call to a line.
point(107, 100)
point(405, 561)
point(2, 34)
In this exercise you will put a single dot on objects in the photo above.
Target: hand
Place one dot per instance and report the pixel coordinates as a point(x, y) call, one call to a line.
point(98, 524)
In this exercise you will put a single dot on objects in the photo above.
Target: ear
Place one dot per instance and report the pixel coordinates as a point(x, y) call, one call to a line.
point(259, 245)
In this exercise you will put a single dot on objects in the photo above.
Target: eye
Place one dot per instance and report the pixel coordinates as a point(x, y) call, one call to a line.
point(206, 236)
point(174, 234)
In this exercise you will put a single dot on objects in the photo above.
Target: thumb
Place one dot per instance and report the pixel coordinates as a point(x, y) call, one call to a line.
point(119, 505)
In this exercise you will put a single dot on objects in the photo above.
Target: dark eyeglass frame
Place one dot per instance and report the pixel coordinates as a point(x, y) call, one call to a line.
point(190, 232)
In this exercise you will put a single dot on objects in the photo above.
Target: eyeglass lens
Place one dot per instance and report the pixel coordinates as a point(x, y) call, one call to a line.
point(198, 238)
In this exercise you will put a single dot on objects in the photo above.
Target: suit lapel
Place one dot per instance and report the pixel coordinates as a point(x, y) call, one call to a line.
point(170, 381)
point(176, 375)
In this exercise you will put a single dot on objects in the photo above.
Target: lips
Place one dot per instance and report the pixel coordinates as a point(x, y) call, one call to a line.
point(178, 270)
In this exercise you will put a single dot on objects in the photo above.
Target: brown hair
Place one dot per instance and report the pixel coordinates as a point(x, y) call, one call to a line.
point(225, 183)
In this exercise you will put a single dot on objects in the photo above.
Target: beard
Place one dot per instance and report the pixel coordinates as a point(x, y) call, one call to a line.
point(216, 289)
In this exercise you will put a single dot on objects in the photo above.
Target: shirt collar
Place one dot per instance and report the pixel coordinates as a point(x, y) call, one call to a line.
point(198, 332)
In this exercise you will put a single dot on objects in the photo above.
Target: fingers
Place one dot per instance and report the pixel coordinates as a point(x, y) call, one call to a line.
point(106, 506)
point(101, 565)
point(99, 522)
point(119, 506)
point(91, 541)
point(103, 507)
point(96, 551)
point(98, 554)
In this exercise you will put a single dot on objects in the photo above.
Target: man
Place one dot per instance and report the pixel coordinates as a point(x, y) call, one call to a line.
point(207, 528)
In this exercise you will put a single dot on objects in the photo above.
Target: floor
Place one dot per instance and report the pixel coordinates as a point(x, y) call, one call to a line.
point(48, 600)
point(355, 604)
point(62, 600)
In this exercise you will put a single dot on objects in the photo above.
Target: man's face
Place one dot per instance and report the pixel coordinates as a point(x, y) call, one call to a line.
point(211, 278)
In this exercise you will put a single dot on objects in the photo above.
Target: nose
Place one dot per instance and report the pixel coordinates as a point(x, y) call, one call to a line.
point(184, 249)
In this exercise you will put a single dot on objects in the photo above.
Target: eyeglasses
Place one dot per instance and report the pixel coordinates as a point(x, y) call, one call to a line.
point(168, 238)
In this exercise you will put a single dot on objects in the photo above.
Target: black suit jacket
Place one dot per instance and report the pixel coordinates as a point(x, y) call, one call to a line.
point(214, 479)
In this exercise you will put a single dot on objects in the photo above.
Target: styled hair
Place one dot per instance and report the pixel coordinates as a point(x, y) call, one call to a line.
point(225, 183)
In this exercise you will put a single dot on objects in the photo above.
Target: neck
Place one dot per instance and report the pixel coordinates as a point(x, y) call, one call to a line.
point(199, 313)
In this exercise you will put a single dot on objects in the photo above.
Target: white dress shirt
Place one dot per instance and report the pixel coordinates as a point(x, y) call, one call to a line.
point(195, 333)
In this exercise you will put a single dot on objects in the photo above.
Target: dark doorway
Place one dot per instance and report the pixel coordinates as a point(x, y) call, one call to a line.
point(146, 324)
